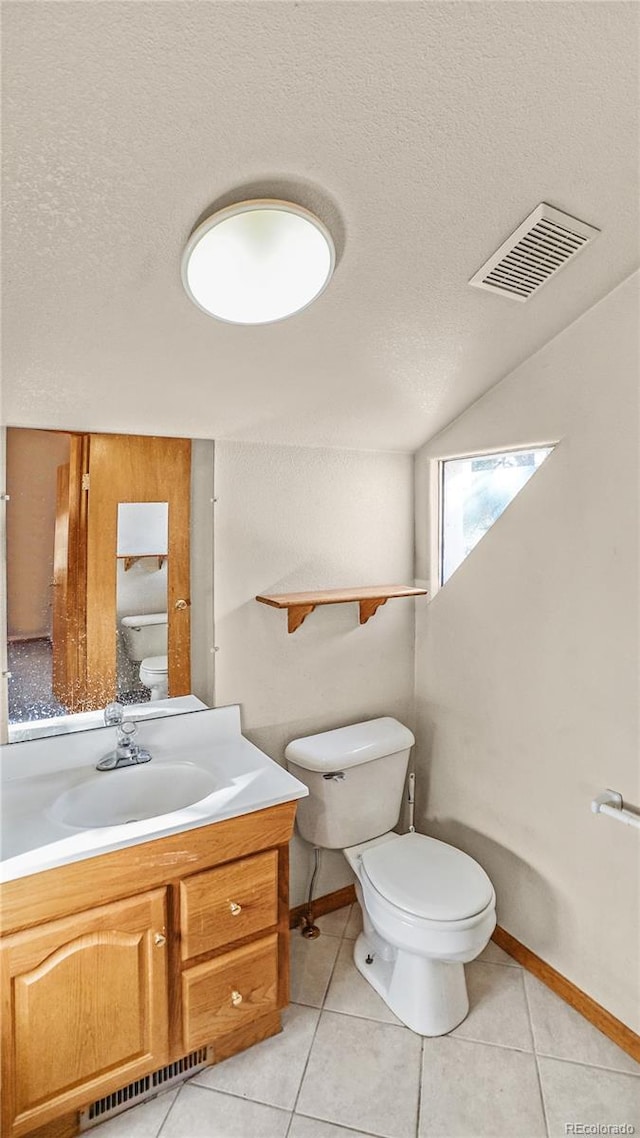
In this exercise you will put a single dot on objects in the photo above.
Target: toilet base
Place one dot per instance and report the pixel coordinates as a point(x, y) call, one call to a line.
point(429, 996)
point(158, 691)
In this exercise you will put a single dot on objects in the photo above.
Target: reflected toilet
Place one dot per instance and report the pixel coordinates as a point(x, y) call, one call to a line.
point(145, 643)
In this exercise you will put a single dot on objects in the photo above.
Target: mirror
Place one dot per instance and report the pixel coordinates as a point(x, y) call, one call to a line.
point(109, 550)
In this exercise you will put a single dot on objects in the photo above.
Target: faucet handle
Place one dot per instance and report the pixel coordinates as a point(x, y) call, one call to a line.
point(113, 714)
point(127, 730)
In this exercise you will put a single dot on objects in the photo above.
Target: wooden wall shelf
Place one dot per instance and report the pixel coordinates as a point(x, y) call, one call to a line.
point(132, 559)
point(368, 597)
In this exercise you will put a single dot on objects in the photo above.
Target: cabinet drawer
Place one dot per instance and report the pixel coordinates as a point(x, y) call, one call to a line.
point(225, 904)
point(229, 992)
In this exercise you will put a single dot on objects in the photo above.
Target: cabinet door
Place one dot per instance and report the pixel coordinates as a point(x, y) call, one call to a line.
point(84, 1008)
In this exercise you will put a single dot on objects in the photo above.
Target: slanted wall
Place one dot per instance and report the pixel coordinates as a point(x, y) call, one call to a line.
point(527, 660)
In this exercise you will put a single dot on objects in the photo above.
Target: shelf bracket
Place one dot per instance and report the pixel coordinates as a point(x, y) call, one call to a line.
point(369, 606)
point(296, 614)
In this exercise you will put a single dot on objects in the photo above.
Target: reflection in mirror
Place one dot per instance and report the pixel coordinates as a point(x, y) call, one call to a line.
point(109, 541)
point(142, 662)
point(141, 601)
point(143, 529)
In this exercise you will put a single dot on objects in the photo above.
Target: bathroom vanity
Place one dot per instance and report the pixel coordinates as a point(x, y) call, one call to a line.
point(151, 949)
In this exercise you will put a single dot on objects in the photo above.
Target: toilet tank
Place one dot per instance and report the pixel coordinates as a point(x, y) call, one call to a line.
point(355, 777)
point(145, 635)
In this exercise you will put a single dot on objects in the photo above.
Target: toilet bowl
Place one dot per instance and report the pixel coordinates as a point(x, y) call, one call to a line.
point(428, 908)
point(154, 674)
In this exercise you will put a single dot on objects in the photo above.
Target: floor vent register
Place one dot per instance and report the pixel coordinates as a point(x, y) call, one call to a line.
point(141, 1089)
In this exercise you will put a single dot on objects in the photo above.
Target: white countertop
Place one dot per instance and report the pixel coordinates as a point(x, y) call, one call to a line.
point(35, 773)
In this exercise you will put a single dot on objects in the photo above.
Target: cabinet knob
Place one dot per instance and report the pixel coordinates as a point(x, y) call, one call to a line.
point(182, 604)
point(236, 999)
point(234, 908)
point(159, 939)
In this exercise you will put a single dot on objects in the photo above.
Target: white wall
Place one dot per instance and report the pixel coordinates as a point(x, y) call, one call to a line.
point(527, 660)
point(291, 519)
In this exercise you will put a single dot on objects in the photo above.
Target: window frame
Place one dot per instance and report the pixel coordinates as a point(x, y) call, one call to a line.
point(436, 558)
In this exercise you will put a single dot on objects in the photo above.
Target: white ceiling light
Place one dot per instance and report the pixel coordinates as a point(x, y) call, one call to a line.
point(257, 262)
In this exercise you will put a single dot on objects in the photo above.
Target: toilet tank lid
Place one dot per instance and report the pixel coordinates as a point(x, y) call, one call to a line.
point(144, 619)
point(349, 746)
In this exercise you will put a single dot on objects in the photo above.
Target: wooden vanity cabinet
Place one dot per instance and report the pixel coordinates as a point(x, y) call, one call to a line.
point(118, 965)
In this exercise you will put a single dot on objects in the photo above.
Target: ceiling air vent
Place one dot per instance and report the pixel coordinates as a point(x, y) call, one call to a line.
point(546, 240)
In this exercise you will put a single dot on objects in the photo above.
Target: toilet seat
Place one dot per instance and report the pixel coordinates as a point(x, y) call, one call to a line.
point(427, 878)
point(155, 664)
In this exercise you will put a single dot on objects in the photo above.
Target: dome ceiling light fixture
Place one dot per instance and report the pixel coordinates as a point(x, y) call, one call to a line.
point(258, 261)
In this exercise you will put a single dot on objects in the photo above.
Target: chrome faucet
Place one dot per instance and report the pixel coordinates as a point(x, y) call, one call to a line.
point(127, 753)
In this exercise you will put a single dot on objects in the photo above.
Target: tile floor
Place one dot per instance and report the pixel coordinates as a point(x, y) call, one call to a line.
point(30, 663)
point(522, 1065)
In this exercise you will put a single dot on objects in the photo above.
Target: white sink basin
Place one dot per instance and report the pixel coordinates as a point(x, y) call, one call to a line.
point(56, 808)
point(131, 794)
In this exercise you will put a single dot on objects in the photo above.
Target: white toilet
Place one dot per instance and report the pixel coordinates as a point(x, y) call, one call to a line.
point(428, 908)
point(145, 642)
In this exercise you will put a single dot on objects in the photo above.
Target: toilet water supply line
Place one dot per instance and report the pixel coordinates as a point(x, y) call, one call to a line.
point(412, 801)
point(309, 930)
point(610, 802)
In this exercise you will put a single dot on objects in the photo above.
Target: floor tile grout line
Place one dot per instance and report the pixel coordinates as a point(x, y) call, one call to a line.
point(346, 925)
point(400, 1024)
point(344, 1126)
point(367, 1019)
point(331, 975)
point(448, 1035)
point(589, 1066)
point(564, 1058)
point(164, 1120)
point(230, 1094)
point(304, 1070)
point(420, 1080)
point(484, 1043)
point(241, 1098)
point(529, 1016)
point(497, 963)
point(313, 1038)
point(535, 1056)
point(321, 1012)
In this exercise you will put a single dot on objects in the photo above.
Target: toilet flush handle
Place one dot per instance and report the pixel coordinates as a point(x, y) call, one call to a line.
point(335, 776)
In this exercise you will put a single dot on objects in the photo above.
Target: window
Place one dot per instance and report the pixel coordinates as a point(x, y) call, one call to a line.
point(473, 493)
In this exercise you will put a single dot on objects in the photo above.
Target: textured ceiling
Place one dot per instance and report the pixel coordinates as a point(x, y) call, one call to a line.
point(423, 133)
